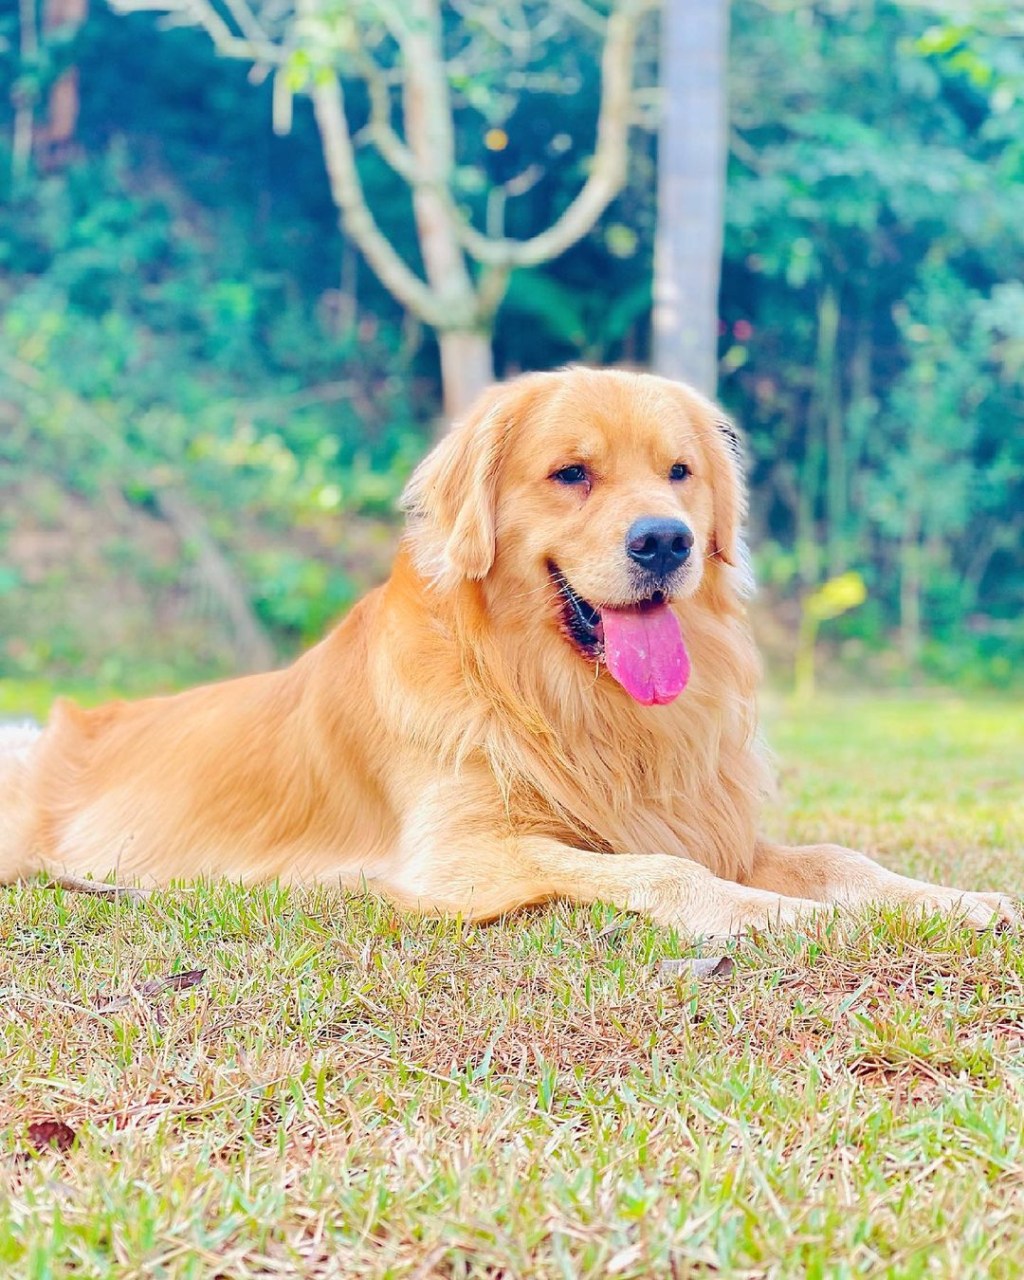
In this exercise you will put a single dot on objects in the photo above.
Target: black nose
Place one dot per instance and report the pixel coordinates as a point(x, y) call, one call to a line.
point(658, 545)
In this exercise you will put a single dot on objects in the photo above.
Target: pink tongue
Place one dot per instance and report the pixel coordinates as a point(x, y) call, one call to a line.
point(644, 651)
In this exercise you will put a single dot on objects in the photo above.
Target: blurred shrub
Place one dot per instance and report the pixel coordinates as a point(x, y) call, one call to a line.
point(130, 364)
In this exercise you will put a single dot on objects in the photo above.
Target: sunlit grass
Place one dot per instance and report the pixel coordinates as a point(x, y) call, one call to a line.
point(351, 1092)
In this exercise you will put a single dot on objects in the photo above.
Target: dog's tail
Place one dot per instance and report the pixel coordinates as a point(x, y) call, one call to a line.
point(17, 747)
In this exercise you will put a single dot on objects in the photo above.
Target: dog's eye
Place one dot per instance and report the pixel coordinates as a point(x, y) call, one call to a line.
point(576, 474)
point(679, 471)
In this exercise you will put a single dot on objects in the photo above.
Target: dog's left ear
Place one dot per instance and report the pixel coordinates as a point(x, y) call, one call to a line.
point(728, 488)
point(452, 498)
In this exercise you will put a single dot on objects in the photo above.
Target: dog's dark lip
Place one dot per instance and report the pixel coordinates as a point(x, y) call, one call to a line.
point(581, 620)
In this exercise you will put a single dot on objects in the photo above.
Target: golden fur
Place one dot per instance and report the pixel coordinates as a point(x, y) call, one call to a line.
point(446, 745)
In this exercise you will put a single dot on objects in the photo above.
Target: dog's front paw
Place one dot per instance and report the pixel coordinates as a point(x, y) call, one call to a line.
point(754, 911)
point(976, 910)
point(711, 908)
point(757, 910)
point(1004, 913)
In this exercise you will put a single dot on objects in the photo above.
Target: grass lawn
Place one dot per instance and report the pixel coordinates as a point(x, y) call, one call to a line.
point(347, 1092)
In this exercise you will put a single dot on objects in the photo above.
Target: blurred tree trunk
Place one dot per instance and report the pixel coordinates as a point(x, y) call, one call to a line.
point(692, 153)
point(467, 367)
point(60, 20)
point(465, 346)
point(829, 408)
point(63, 18)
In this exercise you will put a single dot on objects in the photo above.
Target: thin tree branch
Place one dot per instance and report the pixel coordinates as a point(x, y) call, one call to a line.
point(516, 39)
point(339, 156)
point(392, 16)
point(491, 287)
point(586, 16)
point(100, 889)
point(380, 130)
point(245, 20)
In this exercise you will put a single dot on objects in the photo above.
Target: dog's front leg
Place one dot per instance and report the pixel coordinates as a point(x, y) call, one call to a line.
point(828, 873)
point(492, 875)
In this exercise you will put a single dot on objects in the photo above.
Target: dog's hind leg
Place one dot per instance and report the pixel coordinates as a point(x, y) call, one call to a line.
point(19, 858)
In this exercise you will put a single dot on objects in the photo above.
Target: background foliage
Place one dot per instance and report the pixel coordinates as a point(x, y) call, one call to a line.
point(181, 316)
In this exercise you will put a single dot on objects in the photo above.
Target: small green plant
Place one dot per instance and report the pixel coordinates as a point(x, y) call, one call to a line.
point(832, 599)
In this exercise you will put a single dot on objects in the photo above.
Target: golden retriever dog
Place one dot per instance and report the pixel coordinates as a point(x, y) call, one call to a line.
point(553, 696)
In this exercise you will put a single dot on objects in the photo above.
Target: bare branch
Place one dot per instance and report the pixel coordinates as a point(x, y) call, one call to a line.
point(200, 13)
point(523, 182)
point(429, 129)
point(494, 217)
point(391, 16)
point(609, 165)
point(427, 91)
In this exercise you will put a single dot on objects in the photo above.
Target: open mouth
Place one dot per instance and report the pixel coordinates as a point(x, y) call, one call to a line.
point(641, 644)
point(581, 622)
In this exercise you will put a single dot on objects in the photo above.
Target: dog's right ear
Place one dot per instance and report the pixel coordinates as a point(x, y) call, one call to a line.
point(452, 497)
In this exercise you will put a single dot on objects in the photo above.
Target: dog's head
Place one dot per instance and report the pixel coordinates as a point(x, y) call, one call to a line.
point(597, 497)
